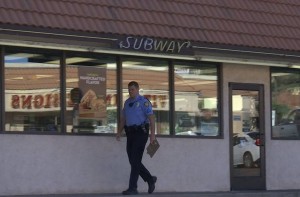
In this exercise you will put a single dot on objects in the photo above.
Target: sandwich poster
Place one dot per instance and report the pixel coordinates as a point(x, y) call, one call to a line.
point(92, 84)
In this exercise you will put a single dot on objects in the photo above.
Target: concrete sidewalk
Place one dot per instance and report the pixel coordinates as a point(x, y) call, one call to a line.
point(277, 193)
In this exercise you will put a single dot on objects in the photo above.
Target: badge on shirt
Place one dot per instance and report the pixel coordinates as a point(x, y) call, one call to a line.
point(146, 104)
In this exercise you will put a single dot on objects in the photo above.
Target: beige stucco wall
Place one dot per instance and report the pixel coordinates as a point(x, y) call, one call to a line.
point(41, 164)
point(282, 160)
point(246, 74)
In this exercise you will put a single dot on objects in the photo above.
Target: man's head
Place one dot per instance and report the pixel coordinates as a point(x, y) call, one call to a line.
point(133, 89)
point(207, 113)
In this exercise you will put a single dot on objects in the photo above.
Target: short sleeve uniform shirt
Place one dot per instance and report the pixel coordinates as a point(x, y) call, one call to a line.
point(136, 111)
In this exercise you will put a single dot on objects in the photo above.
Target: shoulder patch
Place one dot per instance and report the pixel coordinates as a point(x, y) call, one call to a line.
point(147, 102)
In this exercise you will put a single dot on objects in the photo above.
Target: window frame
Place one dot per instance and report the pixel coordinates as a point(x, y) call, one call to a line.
point(219, 96)
point(52, 52)
point(118, 60)
point(98, 57)
point(285, 70)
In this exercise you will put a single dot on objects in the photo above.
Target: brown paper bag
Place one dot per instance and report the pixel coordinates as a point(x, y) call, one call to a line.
point(152, 148)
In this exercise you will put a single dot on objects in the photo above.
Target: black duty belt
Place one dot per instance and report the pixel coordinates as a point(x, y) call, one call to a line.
point(143, 127)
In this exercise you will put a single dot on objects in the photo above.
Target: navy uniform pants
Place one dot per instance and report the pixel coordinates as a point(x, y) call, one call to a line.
point(136, 142)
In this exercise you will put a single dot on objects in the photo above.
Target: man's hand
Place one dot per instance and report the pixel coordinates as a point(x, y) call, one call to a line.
point(118, 136)
point(152, 137)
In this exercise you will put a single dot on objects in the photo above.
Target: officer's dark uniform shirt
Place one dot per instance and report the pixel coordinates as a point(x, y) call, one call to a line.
point(136, 111)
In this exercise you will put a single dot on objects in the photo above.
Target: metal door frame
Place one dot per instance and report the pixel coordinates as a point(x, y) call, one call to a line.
point(249, 182)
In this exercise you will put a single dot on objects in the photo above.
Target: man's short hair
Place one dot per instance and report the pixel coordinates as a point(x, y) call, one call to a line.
point(133, 83)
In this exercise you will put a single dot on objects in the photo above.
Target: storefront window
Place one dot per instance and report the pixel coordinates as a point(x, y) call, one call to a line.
point(285, 86)
point(196, 99)
point(153, 77)
point(91, 94)
point(32, 91)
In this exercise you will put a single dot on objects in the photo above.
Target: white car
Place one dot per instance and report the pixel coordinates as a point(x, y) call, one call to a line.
point(289, 127)
point(186, 133)
point(245, 152)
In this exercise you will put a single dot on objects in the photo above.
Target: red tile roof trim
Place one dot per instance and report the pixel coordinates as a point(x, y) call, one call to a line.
point(273, 24)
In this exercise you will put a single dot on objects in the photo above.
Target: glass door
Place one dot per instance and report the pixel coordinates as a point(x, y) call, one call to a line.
point(247, 136)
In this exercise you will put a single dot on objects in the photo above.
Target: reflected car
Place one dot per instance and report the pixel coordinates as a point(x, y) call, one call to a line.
point(255, 136)
point(187, 133)
point(245, 152)
point(289, 127)
point(103, 129)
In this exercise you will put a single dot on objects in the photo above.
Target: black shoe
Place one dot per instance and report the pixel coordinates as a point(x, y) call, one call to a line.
point(130, 192)
point(151, 185)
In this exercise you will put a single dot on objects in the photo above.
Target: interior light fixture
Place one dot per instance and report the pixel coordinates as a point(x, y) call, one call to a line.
point(295, 66)
point(244, 61)
point(58, 46)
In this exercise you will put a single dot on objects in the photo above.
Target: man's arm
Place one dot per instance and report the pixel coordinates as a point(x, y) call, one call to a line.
point(120, 128)
point(152, 127)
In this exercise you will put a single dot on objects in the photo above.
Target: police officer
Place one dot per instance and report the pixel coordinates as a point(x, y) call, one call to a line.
point(137, 117)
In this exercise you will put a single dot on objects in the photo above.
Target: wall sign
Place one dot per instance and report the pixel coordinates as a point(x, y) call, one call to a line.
point(40, 102)
point(92, 85)
point(154, 45)
point(37, 101)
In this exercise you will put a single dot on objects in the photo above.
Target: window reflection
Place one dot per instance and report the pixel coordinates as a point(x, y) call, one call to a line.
point(246, 132)
point(196, 99)
point(152, 76)
point(32, 92)
point(91, 94)
point(285, 103)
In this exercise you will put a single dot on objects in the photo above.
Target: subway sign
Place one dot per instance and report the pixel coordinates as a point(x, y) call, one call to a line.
point(155, 45)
